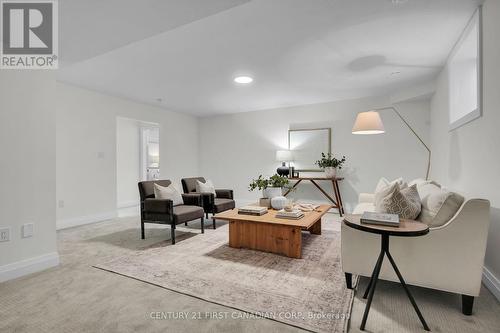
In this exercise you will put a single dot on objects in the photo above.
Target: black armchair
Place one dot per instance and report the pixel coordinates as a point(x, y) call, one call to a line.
point(162, 211)
point(222, 200)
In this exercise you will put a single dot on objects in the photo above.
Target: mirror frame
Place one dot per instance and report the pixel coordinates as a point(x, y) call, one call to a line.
point(328, 129)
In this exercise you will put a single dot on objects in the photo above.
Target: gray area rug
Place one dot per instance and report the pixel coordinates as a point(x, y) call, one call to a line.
point(308, 293)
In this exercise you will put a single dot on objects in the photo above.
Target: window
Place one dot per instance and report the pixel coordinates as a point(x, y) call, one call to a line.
point(464, 75)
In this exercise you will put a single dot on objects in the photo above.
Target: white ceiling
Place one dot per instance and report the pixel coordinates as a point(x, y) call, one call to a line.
point(299, 52)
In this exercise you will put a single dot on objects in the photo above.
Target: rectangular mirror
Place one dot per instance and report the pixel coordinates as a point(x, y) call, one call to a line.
point(307, 146)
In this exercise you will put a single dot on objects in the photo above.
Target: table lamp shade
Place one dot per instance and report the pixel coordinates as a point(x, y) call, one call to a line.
point(368, 123)
point(284, 156)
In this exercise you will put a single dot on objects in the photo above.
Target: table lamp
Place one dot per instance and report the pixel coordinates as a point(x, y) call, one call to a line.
point(283, 156)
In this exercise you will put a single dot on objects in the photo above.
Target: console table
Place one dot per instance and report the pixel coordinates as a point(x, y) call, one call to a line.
point(337, 202)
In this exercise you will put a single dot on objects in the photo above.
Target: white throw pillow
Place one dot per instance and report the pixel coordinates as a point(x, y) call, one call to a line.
point(169, 193)
point(421, 182)
point(438, 205)
point(383, 183)
point(206, 187)
point(383, 193)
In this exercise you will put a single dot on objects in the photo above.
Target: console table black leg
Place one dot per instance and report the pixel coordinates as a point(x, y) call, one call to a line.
point(372, 290)
point(412, 300)
point(380, 257)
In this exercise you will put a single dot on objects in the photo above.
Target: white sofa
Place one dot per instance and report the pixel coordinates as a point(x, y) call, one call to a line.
point(449, 258)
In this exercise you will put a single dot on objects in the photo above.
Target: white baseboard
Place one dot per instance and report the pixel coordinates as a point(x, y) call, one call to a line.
point(28, 266)
point(82, 220)
point(128, 204)
point(491, 282)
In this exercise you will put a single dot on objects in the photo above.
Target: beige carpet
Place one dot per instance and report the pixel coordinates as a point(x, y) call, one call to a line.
point(308, 293)
point(74, 297)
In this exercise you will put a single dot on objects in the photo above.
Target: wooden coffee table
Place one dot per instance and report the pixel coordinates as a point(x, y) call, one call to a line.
point(269, 233)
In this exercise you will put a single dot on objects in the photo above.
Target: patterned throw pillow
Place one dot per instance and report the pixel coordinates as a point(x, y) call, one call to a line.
point(406, 202)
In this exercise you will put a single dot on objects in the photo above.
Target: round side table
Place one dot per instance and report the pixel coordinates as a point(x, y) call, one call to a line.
point(407, 228)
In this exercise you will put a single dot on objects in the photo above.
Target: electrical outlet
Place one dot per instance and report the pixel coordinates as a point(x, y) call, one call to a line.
point(60, 204)
point(4, 234)
point(27, 230)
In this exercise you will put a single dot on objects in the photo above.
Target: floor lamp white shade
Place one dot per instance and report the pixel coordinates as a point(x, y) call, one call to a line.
point(368, 123)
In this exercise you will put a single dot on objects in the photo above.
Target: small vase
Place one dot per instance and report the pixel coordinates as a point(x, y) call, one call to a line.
point(330, 172)
point(272, 192)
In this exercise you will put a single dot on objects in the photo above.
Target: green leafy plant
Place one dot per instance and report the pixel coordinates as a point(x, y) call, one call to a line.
point(262, 183)
point(259, 183)
point(278, 181)
point(329, 160)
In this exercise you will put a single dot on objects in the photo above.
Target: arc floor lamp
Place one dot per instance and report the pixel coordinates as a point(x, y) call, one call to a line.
point(370, 123)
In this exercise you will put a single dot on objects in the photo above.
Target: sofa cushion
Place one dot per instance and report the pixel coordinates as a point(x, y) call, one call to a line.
point(169, 192)
point(185, 213)
point(363, 207)
point(222, 205)
point(438, 205)
point(406, 202)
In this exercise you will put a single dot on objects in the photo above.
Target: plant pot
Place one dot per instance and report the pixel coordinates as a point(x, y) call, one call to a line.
point(272, 192)
point(265, 202)
point(330, 172)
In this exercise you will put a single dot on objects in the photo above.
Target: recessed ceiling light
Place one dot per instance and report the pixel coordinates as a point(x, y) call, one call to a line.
point(399, 2)
point(395, 73)
point(243, 79)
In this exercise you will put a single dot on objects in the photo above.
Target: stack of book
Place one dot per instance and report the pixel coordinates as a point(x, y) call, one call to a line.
point(294, 214)
point(391, 220)
point(252, 210)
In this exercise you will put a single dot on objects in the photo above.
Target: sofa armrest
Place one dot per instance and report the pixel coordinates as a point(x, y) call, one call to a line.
point(158, 206)
point(192, 199)
point(224, 194)
point(366, 198)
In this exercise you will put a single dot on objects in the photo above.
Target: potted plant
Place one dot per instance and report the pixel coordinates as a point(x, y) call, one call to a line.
point(271, 187)
point(330, 164)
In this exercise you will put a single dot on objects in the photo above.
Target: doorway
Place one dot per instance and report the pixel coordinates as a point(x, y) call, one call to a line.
point(150, 151)
point(137, 158)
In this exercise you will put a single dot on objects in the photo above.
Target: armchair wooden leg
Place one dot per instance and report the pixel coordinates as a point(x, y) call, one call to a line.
point(172, 232)
point(186, 224)
point(213, 222)
point(348, 280)
point(142, 230)
point(467, 304)
point(202, 225)
point(206, 215)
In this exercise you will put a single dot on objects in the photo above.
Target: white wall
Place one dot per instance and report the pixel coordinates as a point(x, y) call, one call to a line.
point(27, 170)
point(236, 148)
point(128, 161)
point(467, 159)
point(86, 150)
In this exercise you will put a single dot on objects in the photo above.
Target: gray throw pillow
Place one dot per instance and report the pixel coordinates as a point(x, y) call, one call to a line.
point(438, 205)
point(406, 202)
